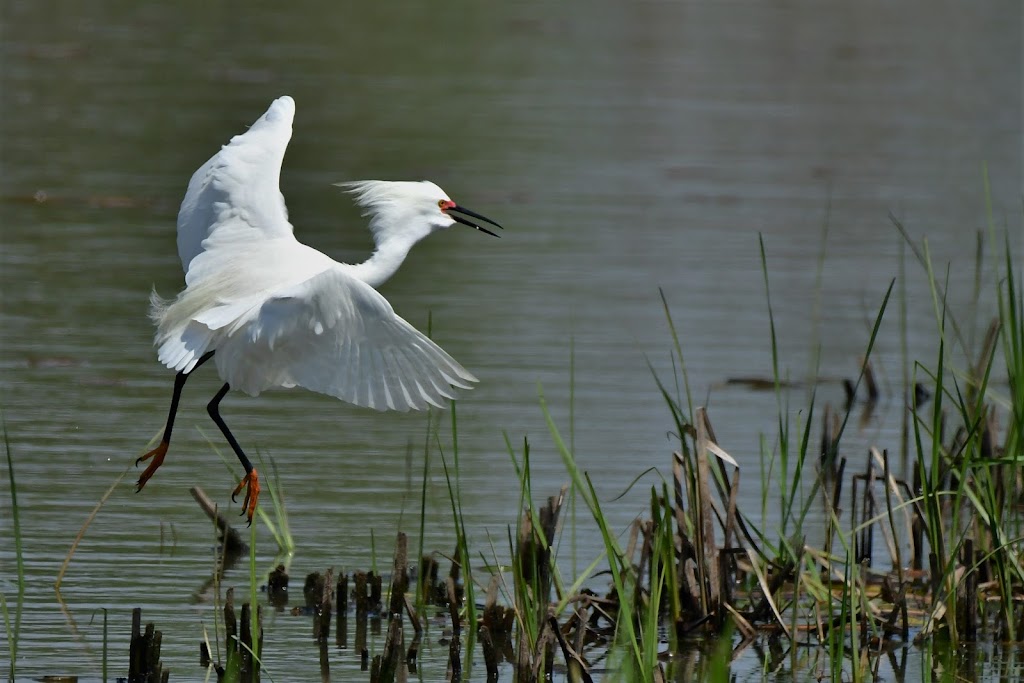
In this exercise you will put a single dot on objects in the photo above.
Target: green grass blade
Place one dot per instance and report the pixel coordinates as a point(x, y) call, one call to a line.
point(19, 558)
point(621, 569)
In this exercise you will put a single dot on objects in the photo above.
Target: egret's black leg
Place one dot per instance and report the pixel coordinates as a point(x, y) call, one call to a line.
point(251, 481)
point(158, 453)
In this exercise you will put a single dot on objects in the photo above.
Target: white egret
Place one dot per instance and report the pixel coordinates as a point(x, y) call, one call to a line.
point(273, 312)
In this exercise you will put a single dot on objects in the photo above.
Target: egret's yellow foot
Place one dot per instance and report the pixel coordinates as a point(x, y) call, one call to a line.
point(157, 457)
point(251, 483)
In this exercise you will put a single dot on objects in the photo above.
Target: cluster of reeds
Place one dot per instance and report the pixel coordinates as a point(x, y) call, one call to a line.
point(930, 555)
point(699, 567)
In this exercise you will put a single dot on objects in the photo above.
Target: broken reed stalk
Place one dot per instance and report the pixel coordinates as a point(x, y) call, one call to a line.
point(144, 664)
point(414, 647)
point(701, 578)
point(386, 666)
point(277, 587)
point(239, 645)
point(322, 607)
point(233, 544)
point(454, 647)
point(312, 590)
point(324, 660)
point(341, 593)
point(532, 563)
point(230, 627)
point(864, 539)
point(362, 609)
point(491, 656)
point(376, 584)
point(496, 629)
point(250, 669)
point(689, 592)
point(429, 590)
point(576, 668)
point(890, 513)
point(399, 577)
point(708, 558)
point(735, 526)
point(453, 579)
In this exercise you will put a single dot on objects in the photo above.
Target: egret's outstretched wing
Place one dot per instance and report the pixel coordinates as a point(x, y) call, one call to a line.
point(336, 335)
point(235, 196)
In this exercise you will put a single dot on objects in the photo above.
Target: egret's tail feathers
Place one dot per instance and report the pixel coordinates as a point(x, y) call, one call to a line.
point(157, 307)
point(180, 340)
point(182, 351)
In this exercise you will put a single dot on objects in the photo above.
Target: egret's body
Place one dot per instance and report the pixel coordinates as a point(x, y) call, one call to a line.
point(273, 312)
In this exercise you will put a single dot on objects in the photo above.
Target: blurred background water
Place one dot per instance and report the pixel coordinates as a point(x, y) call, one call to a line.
point(626, 147)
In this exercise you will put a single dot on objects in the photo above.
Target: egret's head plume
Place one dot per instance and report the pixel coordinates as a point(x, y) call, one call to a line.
point(408, 209)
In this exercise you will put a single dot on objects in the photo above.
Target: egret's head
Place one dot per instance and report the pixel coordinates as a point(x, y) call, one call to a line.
point(409, 209)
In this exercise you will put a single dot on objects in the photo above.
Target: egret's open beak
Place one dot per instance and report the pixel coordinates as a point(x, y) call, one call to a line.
point(474, 214)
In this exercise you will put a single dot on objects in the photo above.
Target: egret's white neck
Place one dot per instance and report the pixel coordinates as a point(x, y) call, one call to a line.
point(385, 260)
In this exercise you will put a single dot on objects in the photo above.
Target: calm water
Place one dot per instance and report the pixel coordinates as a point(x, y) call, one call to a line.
point(625, 147)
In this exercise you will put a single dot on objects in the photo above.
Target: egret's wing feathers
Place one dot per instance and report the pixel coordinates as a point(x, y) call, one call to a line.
point(235, 196)
point(336, 335)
